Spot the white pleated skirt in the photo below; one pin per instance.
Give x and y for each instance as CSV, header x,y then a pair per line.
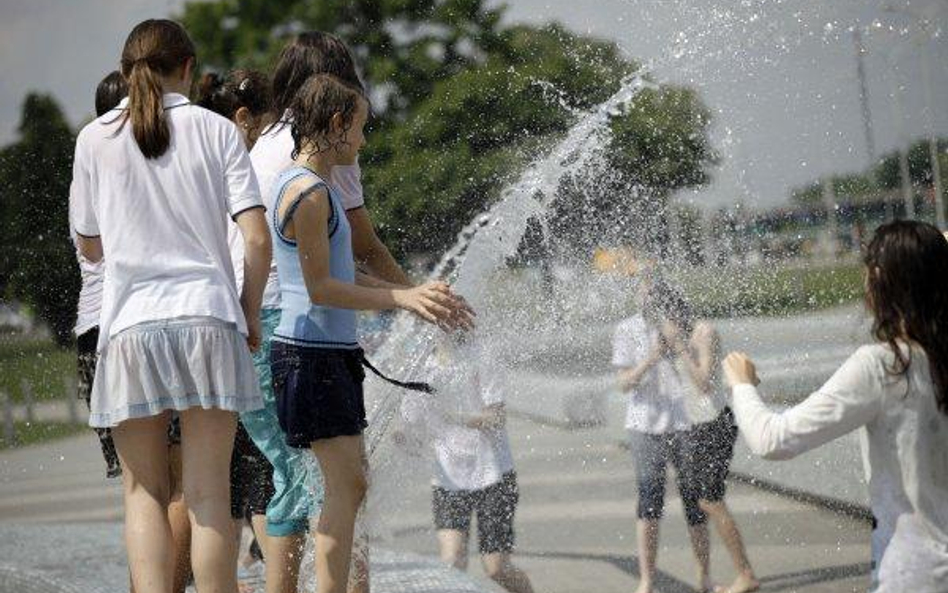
x,y
173,364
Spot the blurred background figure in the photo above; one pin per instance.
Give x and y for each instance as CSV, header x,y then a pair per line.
x,y
465,422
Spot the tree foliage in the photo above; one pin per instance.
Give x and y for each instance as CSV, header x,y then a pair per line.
x,y
463,102
38,261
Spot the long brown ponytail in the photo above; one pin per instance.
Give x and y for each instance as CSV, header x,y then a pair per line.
x,y
154,48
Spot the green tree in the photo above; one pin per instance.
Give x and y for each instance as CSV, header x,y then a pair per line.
x,y
38,260
658,145
465,102
430,175
404,46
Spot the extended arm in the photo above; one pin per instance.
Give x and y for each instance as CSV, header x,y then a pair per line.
x,y
309,225
850,399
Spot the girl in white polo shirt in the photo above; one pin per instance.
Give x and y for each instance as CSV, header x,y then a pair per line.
x,y
152,185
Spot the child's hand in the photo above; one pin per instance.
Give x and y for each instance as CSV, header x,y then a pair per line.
x,y
436,303
253,333
739,370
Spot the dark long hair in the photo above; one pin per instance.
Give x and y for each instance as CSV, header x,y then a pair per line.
x,y
154,48
907,292
309,53
241,88
110,92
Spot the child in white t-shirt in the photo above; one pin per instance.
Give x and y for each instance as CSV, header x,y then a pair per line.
x,y
474,470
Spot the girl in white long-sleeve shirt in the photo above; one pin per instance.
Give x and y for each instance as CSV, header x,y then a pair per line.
x,y
898,390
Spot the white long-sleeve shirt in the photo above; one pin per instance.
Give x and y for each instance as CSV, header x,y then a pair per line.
x,y
905,451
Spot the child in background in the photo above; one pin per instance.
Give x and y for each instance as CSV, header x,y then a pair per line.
x,y
474,470
316,361
244,98
152,185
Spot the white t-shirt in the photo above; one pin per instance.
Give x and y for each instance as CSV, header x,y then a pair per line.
x,y
271,156
465,458
905,448
162,221
90,294
701,407
657,404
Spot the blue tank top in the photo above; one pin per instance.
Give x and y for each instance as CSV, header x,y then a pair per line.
x,y
302,322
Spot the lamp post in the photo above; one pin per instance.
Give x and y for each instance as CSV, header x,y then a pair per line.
x,y
925,26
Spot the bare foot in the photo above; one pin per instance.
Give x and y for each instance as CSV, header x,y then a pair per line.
x,y
742,584
705,585
644,587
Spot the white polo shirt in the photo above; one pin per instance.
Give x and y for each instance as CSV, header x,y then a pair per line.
x,y
163,221
271,156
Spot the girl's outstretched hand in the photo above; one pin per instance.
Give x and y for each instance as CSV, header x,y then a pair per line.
x,y
739,370
436,303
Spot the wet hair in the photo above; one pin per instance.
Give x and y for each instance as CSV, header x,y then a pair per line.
x,y
241,88
906,266
110,92
665,302
309,53
312,110
154,48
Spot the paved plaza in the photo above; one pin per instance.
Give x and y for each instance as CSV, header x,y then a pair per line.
x,y
59,518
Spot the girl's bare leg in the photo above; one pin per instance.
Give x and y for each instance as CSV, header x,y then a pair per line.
x,y
283,556
453,546
503,572
142,446
341,461
180,522
647,535
724,522
701,547
207,440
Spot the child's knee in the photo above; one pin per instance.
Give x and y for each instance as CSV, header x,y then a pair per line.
x,y
711,507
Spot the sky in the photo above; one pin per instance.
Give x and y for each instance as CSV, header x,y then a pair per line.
x,y
778,75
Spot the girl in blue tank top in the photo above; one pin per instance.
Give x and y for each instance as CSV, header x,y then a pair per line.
x,y
315,358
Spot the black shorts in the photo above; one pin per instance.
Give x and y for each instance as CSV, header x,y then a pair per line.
x,y
495,507
318,392
87,357
251,478
712,448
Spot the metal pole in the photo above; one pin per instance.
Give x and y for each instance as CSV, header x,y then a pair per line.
x,y
933,141
829,202
908,196
867,115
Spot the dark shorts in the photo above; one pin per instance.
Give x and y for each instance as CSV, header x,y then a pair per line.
x,y
318,392
251,478
495,507
652,453
87,359
712,446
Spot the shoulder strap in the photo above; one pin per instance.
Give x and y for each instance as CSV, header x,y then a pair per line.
x,y
298,199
